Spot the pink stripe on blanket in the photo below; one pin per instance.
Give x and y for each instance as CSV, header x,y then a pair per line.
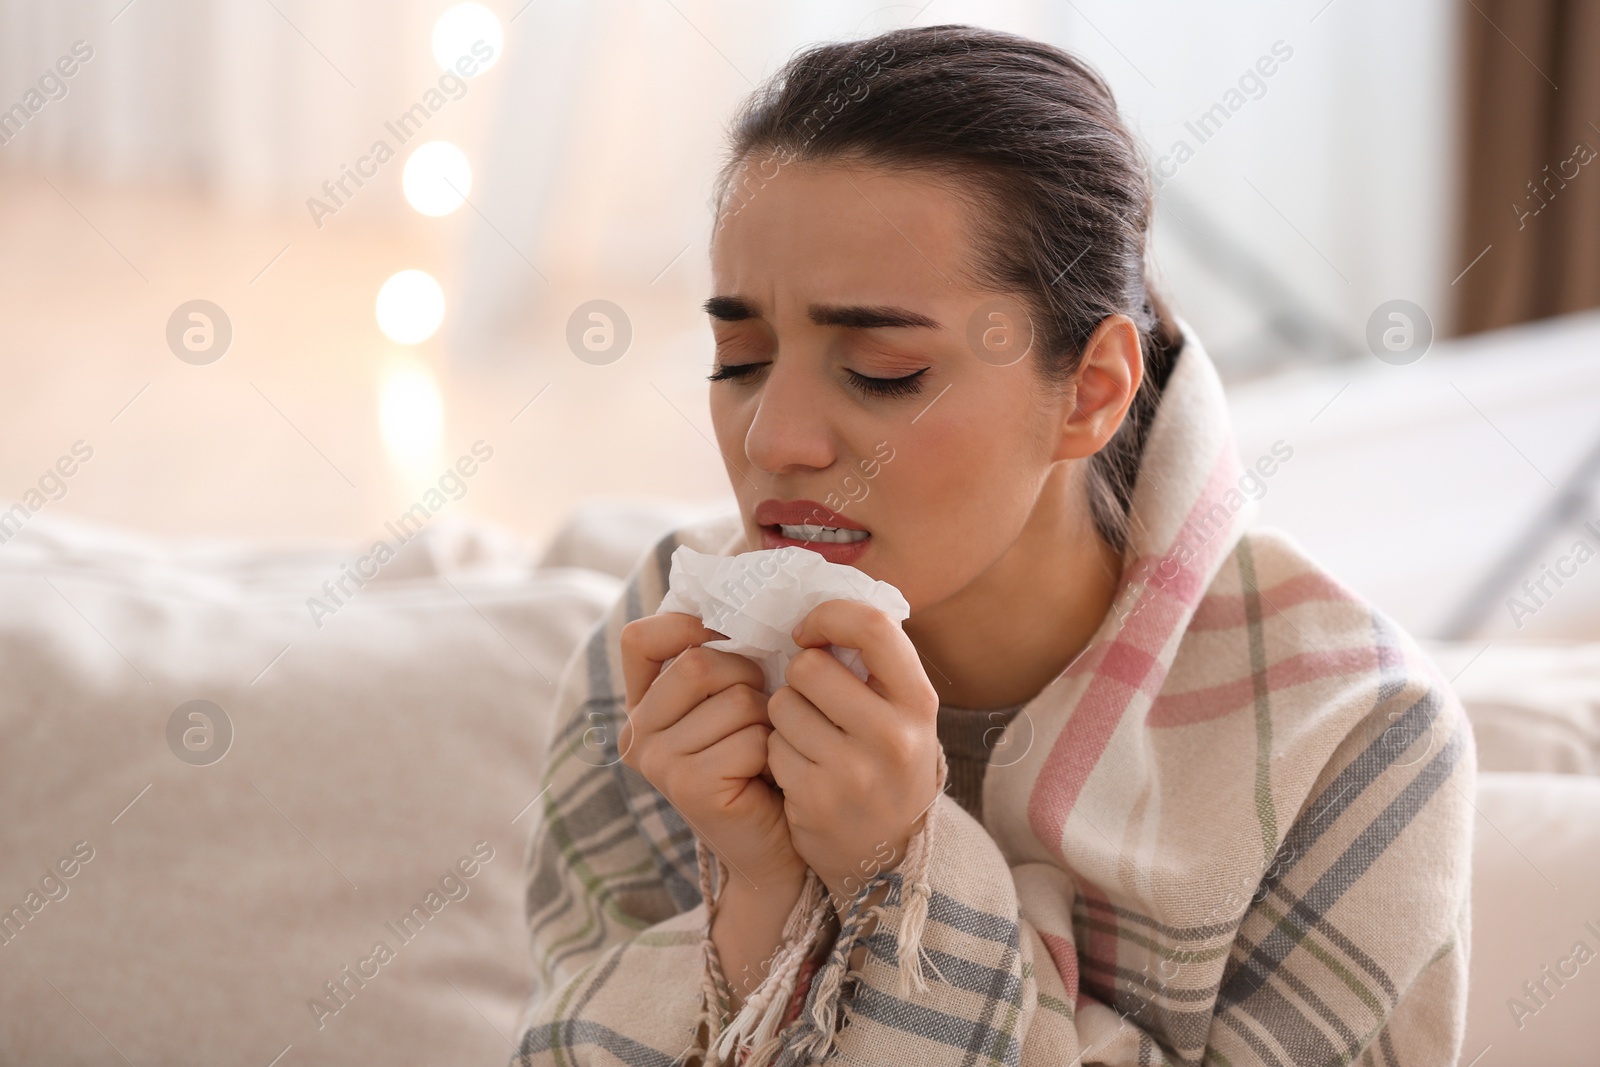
x,y
1213,702
1225,611
1066,961
1130,662
1095,943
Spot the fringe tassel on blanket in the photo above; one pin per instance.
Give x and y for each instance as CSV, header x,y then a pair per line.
x,y
756,1026
713,984
915,893
751,1038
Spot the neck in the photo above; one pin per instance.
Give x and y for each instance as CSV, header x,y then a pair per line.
x,y
1009,632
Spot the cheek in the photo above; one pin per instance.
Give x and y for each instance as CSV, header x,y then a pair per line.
x,y
948,506
985,452
730,425
730,421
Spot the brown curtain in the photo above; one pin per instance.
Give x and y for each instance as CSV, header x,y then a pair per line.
x,y
1531,139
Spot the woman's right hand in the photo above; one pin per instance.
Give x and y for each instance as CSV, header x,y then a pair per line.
x,y
698,732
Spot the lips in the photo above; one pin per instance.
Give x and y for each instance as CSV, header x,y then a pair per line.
x,y
770,514
800,513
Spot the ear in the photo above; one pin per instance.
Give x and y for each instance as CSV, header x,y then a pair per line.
x,y
1103,388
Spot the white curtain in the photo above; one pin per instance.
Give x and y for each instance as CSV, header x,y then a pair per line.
x,y
249,102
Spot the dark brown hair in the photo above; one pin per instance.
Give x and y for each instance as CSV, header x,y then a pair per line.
x,y
1031,137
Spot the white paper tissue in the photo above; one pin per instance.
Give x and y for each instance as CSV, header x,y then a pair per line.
x,y
757,599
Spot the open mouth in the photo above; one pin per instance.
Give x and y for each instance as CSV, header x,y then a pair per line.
x,y
834,544
809,525
835,535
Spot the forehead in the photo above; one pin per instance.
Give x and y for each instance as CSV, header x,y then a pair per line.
x,y
831,231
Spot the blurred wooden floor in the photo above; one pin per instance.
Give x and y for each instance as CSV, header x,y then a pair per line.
x,y
280,439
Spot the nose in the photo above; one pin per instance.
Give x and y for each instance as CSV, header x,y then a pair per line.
x,y
792,428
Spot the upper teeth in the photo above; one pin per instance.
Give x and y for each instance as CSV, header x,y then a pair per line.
x,y
821,533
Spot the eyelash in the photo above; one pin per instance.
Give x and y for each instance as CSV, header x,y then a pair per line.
x,y
885,387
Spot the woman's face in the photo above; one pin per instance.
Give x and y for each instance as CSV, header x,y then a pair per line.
x,y
830,280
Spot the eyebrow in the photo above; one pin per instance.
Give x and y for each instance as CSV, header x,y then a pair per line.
x,y
849,316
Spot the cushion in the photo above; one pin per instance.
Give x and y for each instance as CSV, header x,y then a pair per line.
x,y
1534,706
1535,905
609,534
237,824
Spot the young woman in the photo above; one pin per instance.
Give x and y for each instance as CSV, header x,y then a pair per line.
x,y
1134,783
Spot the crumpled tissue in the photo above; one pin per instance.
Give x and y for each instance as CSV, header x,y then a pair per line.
x,y
757,599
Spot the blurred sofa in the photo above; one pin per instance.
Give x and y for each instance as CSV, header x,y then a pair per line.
x,y
252,796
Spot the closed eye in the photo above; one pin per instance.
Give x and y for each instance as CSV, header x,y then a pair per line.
x,y
906,386
734,372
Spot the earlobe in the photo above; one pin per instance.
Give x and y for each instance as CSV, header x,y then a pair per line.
x,y
1103,388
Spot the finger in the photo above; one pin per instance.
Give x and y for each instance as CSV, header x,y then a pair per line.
x,y
696,675
646,643
719,716
828,685
741,754
891,659
803,725
790,769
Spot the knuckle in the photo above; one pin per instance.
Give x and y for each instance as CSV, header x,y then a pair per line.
x,y
665,778
629,740
631,638
814,664
643,760
809,658
903,743
914,738
694,664
879,625
778,705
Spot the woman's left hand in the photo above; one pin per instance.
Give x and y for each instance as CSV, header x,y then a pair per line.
x,y
857,761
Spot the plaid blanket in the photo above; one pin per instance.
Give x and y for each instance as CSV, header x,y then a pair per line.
x,y
1237,830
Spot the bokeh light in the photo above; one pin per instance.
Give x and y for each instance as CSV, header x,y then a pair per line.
x,y
410,307
411,415
459,28
437,178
